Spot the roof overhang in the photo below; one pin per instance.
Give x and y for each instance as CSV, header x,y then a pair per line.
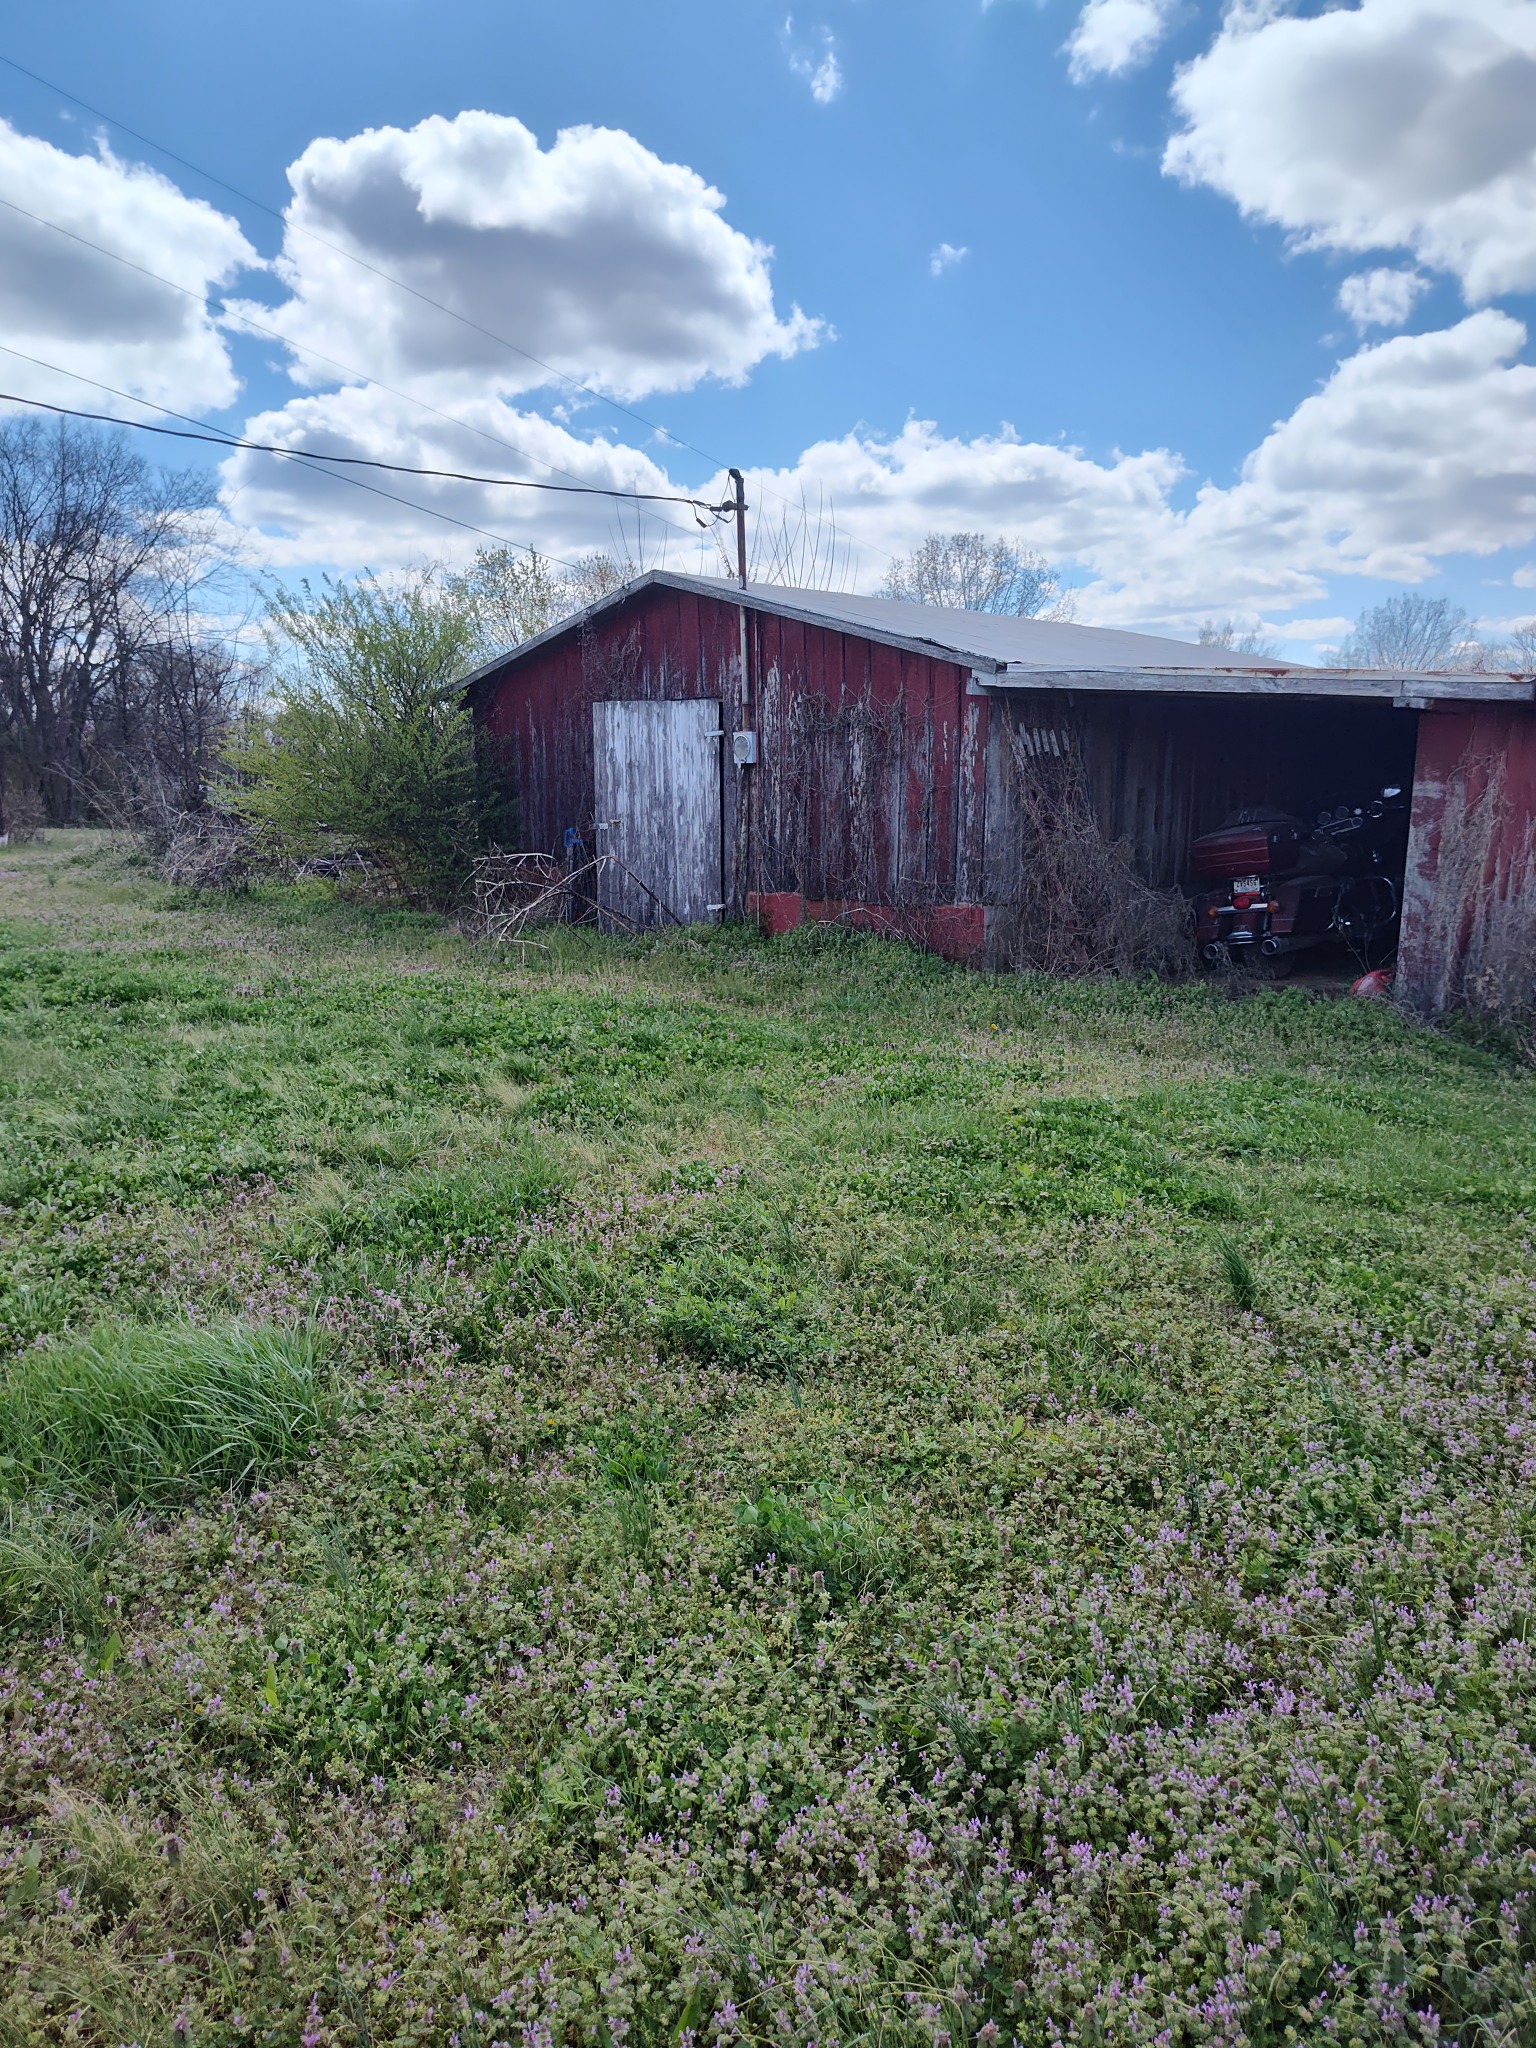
x,y
1405,690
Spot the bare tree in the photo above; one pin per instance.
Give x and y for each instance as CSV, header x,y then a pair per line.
x,y
974,572
98,554
160,722
1413,633
1516,653
1234,639
593,576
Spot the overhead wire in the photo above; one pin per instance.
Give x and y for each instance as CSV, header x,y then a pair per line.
x,y
223,440
338,249
400,284
288,455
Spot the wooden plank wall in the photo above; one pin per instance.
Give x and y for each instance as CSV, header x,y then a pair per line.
x,y
881,781
869,776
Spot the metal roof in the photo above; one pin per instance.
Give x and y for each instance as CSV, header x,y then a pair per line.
x,y
1044,653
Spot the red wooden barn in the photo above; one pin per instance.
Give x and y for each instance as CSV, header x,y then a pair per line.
x,y
795,754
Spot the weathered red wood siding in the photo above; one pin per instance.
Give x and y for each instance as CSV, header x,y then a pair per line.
x,y
881,783
1469,901
870,783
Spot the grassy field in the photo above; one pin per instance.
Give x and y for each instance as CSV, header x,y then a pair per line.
x,y
721,1491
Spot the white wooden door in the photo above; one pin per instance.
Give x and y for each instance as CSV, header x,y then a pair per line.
x,y
658,809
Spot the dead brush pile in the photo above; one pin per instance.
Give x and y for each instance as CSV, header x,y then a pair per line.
x,y
194,848
1070,901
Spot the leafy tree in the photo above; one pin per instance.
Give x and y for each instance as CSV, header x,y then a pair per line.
x,y
508,595
369,746
973,572
1412,633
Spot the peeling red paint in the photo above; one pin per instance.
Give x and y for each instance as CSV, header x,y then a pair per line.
x,y
955,931
870,781
876,799
1471,847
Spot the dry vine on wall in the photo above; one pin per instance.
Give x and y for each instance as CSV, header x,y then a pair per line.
x,y
838,790
1068,899
1483,909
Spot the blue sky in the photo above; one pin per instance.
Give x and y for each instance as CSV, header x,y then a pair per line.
x,y
1134,358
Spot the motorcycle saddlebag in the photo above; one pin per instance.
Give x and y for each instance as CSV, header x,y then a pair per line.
x,y
1270,848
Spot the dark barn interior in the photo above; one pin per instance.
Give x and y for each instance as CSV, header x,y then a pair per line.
x,y
1164,769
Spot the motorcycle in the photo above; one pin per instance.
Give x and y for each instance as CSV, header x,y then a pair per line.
x,y
1275,887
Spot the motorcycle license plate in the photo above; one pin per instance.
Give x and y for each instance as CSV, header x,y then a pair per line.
x,y
1246,885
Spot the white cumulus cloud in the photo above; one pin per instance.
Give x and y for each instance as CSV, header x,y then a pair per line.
x,y
1388,124
1416,449
295,514
945,257
66,303
1381,298
1419,448
815,62
600,259
1113,37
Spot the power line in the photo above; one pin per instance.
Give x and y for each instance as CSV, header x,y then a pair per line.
x,y
356,483
347,370
387,277
221,440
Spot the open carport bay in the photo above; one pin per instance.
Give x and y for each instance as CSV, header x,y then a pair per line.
x,y
1162,770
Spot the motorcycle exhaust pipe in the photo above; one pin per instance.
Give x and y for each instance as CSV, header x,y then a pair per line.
x,y
1272,948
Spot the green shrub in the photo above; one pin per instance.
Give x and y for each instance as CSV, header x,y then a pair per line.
x,y
370,746
146,1415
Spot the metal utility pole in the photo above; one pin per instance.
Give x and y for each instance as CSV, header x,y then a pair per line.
x,y
741,525
744,738
740,509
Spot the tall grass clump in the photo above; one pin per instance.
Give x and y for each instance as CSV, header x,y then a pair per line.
x,y
828,1534
1242,1281
139,1416
51,1555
